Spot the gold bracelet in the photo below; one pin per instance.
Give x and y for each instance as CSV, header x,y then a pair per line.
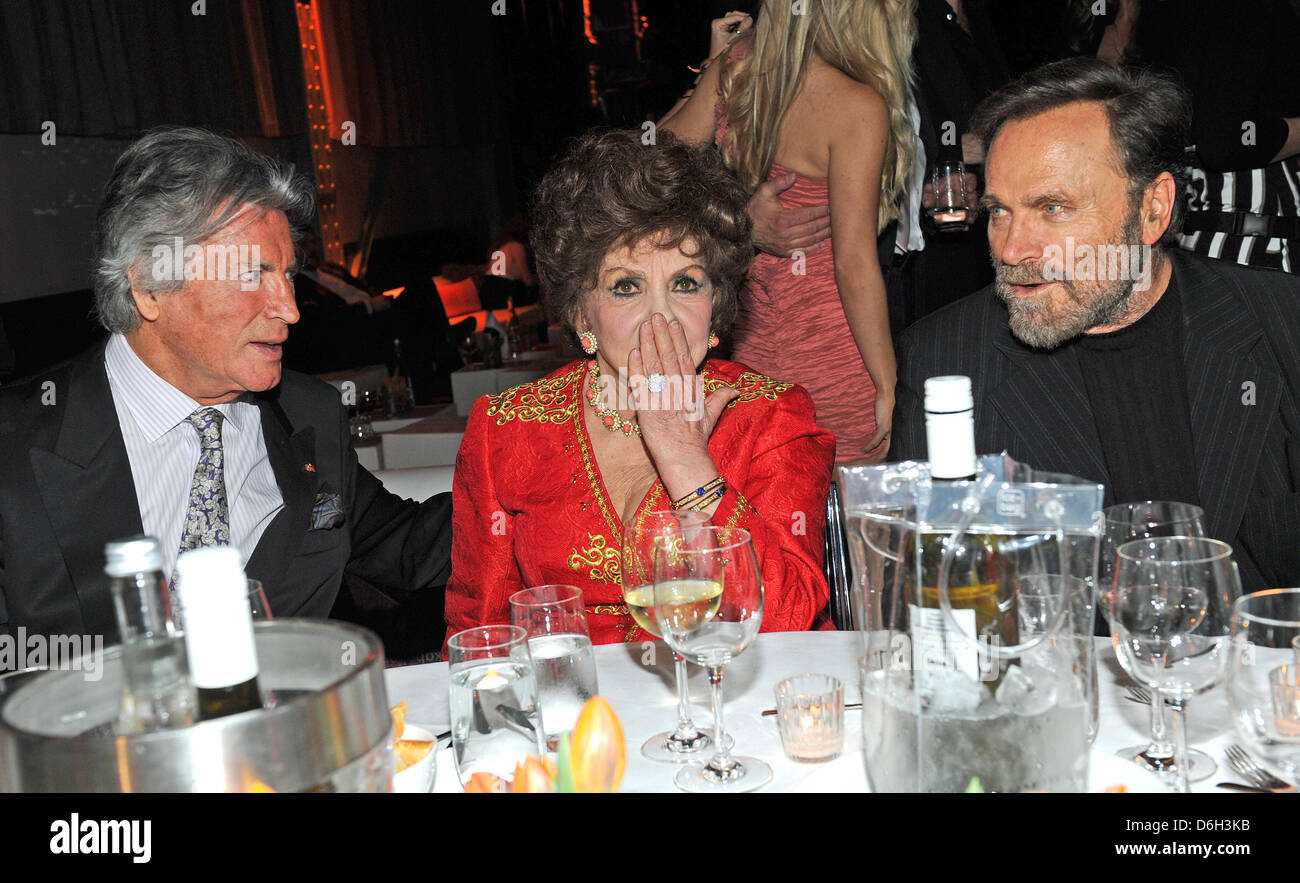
x,y
707,500
700,492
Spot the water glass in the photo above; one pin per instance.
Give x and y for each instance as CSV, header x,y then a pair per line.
x,y
1263,684
492,692
810,717
560,645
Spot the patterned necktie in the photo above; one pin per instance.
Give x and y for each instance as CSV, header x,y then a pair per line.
x,y
207,519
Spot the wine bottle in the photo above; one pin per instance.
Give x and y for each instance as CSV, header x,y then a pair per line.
x,y
980,587
219,631
402,388
156,689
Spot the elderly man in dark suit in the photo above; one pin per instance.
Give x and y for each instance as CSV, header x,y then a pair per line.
x,y
182,425
1103,351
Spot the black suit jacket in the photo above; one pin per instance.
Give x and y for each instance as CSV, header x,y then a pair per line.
x,y
66,489
1241,349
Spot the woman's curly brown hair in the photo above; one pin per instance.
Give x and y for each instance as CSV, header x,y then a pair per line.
x,y
611,191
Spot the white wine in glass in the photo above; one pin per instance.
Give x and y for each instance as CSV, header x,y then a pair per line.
x,y
685,741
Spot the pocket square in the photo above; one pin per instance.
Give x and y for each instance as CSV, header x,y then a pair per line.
x,y
327,512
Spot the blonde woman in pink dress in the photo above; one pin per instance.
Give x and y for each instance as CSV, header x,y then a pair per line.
x,y
813,106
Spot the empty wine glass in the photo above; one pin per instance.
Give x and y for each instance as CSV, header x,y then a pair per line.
x,y
685,741
708,601
1136,521
1169,614
1264,680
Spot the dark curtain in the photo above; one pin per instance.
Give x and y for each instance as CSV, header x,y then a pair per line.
x,y
412,74
116,67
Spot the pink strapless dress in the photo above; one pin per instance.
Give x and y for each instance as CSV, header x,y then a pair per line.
x,y
792,326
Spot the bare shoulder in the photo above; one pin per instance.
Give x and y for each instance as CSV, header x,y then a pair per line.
x,y
854,106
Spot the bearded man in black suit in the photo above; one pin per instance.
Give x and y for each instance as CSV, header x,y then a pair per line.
x,y
1104,351
182,424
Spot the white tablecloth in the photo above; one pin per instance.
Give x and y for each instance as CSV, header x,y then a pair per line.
x,y
639,685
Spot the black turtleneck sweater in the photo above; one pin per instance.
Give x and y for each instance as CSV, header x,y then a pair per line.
x,y
1137,386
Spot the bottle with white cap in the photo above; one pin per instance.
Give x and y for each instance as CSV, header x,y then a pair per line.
x,y
156,689
218,631
950,427
979,602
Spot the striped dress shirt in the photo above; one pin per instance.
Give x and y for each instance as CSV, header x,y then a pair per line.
x,y
164,449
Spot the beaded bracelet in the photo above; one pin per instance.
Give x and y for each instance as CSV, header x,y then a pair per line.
x,y
702,496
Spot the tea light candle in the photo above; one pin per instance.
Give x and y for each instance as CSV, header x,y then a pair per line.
x,y
810,716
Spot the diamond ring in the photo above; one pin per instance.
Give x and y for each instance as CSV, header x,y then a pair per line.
x,y
656,382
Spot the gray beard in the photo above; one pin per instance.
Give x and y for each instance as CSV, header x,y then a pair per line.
x,y
1109,307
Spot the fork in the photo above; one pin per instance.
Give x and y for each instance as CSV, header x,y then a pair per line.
x,y
1137,694
1252,773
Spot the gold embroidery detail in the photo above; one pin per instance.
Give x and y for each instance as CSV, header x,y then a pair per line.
x,y
629,629
605,561
549,400
741,505
609,609
589,463
751,387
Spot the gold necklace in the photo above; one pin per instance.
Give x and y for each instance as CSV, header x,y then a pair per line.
x,y
609,418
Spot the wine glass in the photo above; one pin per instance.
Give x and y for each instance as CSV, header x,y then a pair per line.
x,y
1264,679
1136,521
708,600
1169,614
685,741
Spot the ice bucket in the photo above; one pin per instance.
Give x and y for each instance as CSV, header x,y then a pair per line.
x,y
328,729
975,602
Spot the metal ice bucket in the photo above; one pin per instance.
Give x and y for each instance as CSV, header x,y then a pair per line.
x,y
328,730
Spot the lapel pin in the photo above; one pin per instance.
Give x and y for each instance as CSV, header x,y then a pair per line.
x,y
309,468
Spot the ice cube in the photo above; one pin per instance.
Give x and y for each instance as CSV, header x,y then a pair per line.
x,y
947,691
1026,691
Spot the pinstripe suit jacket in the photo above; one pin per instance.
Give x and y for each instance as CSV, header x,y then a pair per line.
x,y
1241,349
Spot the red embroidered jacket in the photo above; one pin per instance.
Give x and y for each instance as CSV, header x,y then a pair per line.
x,y
530,508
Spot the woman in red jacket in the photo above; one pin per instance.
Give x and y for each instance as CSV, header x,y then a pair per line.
x,y
641,250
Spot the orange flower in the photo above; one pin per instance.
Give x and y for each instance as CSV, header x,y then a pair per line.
x,y
486,783
596,748
534,776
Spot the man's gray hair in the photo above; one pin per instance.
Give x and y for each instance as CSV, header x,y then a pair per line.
x,y
182,182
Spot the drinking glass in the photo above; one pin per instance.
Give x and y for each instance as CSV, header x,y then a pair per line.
x,y
708,601
1136,521
1056,612
560,646
1169,617
685,741
1264,682
258,606
493,696
948,181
